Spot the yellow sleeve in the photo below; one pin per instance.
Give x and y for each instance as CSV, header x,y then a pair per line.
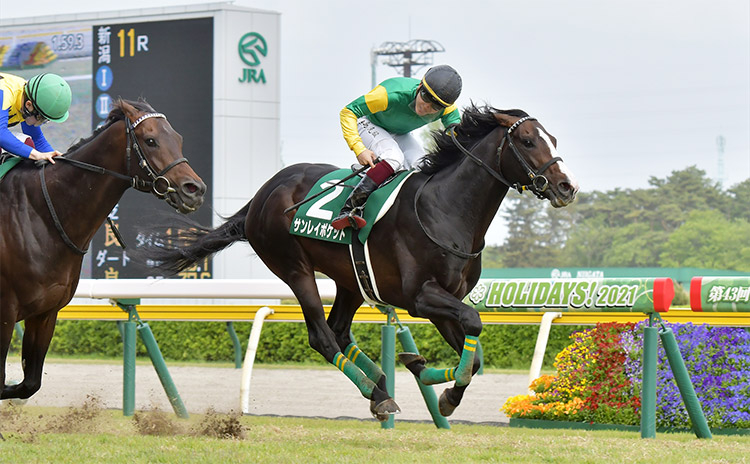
x,y
374,101
351,134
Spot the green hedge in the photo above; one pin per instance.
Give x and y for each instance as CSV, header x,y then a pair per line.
x,y
504,346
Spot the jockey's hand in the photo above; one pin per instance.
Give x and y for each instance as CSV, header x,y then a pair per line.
x,y
367,158
48,155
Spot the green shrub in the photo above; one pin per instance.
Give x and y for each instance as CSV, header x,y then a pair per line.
x,y
503,346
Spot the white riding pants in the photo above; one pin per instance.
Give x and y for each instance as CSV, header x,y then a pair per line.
x,y
400,151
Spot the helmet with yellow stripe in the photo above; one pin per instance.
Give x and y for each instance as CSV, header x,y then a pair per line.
x,y
443,84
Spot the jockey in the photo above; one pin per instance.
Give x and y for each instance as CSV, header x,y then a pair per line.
x,y
377,127
45,97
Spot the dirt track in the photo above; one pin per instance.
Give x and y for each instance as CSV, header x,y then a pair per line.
x,y
281,392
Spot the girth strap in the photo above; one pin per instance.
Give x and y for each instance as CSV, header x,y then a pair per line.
x,y
361,270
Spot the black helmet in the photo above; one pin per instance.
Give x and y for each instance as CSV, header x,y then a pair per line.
x,y
443,83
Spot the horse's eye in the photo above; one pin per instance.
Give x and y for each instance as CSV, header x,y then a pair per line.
x,y
527,143
151,142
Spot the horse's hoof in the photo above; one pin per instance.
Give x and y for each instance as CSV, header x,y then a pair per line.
x,y
444,404
384,409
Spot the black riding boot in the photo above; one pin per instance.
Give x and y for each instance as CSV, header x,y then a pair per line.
x,y
349,215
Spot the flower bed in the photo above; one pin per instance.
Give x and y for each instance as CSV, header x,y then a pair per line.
x,y
599,378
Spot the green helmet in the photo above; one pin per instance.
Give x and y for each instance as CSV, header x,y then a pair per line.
x,y
50,95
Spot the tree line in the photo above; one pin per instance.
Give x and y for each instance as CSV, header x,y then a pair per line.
x,y
683,220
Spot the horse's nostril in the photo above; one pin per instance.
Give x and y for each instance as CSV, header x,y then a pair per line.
x,y
192,189
564,187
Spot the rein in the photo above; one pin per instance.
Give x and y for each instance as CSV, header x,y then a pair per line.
x,y
538,182
134,181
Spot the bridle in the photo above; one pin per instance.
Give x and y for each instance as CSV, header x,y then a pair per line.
x,y
154,184
538,183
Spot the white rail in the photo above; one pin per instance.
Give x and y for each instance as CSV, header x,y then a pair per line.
x,y
193,288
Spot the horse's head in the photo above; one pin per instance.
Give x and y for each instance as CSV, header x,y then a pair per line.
x,y
528,158
156,153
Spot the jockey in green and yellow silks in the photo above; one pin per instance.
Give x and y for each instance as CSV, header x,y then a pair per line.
x,y
45,97
378,125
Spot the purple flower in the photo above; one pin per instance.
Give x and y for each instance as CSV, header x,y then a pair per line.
x,y
718,363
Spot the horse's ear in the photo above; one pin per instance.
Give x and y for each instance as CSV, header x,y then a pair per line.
x,y
128,109
506,120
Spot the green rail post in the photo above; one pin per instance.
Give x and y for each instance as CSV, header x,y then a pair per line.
x,y
480,356
428,393
128,357
648,392
388,362
161,369
236,344
684,384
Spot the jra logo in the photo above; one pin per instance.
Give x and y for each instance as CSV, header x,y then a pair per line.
x,y
252,46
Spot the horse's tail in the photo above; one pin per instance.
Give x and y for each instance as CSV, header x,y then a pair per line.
x,y
194,242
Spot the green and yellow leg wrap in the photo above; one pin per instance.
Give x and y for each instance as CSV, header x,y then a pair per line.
x,y
360,359
461,374
431,376
355,374
465,365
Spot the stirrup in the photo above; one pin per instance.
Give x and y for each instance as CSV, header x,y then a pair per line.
x,y
351,219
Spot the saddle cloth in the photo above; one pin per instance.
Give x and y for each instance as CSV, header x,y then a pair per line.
x,y
7,162
313,219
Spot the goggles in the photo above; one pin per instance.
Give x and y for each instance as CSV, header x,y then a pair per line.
x,y
428,98
36,113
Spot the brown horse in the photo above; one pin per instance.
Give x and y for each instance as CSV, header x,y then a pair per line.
x,y
48,216
425,252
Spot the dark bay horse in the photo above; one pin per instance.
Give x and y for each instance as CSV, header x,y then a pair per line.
x,y
48,216
425,252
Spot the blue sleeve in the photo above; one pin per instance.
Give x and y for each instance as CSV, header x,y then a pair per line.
x,y
35,132
8,141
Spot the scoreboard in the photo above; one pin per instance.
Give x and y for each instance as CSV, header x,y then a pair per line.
x,y
169,64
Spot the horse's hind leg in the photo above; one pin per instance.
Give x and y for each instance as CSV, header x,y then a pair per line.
x,y
323,340
36,339
340,321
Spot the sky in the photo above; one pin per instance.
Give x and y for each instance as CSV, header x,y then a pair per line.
x,y
631,89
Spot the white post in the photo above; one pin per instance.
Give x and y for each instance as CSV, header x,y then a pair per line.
x,y
541,345
252,348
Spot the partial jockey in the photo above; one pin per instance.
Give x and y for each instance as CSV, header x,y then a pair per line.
x,y
45,97
377,127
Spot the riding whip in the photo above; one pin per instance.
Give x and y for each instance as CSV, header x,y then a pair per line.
x,y
355,173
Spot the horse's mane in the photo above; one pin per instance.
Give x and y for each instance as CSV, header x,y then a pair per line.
x,y
116,114
476,122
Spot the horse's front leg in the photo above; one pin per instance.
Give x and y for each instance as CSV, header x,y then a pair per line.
x,y
460,325
36,339
7,324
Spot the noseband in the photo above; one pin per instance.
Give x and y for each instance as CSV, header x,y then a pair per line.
x,y
538,182
136,182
